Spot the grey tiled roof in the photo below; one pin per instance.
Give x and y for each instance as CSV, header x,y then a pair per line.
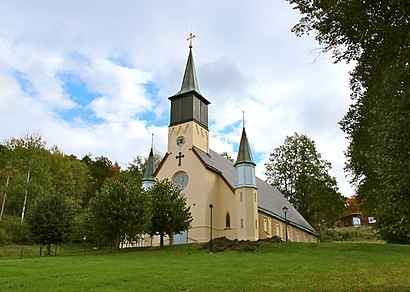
x,y
270,200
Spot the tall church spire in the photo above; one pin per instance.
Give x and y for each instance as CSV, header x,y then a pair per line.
x,y
190,81
188,104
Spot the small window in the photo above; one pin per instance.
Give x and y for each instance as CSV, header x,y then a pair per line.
x,y
356,221
256,223
241,196
255,196
242,223
277,229
227,220
266,225
372,220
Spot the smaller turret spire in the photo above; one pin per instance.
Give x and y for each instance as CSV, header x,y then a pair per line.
x,y
244,165
244,151
148,179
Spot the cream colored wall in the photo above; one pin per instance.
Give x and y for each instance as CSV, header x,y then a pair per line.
x,y
193,133
195,192
247,210
225,203
294,233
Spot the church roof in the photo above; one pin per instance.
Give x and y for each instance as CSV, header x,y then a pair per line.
x,y
244,152
190,81
149,171
270,200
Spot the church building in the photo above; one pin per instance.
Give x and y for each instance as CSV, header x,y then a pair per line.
x,y
225,198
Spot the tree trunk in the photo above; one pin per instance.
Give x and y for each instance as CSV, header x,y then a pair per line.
x,y
161,240
48,251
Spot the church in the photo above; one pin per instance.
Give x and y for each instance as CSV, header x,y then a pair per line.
x,y
225,198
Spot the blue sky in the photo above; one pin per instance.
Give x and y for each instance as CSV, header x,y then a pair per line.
x,y
96,77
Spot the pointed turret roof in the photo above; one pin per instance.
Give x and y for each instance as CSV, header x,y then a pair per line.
x,y
244,152
190,81
149,171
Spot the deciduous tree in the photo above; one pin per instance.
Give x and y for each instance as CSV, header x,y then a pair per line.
x,y
50,219
375,35
170,214
302,175
121,212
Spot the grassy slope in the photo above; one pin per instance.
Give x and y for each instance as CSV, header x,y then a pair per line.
x,y
286,266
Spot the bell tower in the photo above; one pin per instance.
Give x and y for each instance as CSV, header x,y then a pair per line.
x,y
189,112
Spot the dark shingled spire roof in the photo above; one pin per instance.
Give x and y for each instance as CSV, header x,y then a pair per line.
x,y
149,171
244,152
190,81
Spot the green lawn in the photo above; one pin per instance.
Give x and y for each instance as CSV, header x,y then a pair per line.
x,y
276,267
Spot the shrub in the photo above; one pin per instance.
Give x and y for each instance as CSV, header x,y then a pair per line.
x,y
12,231
363,233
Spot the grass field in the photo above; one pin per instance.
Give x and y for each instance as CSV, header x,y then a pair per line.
x,y
276,267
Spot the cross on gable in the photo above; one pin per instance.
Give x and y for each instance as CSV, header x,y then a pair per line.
x,y
179,157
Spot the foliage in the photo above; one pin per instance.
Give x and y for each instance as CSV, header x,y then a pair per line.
x,y
120,212
170,214
102,171
227,156
352,206
34,171
375,35
364,233
302,175
50,219
139,163
12,231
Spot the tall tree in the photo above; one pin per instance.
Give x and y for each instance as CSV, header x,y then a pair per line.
x,y
50,219
302,175
102,171
375,35
38,171
170,214
120,212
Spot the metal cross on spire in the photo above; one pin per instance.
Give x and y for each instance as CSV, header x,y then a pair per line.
x,y
191,36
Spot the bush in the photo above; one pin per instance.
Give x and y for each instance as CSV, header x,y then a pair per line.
x,y
364,233
12,231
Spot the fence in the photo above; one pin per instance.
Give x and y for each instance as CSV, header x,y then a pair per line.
x,y
20,252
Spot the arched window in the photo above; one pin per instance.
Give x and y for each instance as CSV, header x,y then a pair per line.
x,y
228,220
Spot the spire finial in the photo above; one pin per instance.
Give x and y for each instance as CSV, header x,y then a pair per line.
x,y
152,141
191,36
243,119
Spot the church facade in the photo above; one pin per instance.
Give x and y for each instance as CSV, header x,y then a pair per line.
x,y
225,198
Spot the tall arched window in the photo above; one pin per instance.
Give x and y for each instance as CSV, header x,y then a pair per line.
x,y
227,220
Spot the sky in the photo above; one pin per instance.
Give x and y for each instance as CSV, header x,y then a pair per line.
x,y
95,76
